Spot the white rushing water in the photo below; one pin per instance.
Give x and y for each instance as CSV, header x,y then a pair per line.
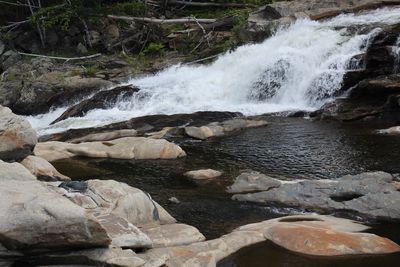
x,y
299,68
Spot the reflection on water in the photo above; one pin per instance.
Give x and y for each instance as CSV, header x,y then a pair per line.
x,y
269,255
288,148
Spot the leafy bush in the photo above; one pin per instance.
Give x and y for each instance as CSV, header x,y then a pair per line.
x,y
154,49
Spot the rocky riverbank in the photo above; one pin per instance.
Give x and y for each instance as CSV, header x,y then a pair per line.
x,y
109,223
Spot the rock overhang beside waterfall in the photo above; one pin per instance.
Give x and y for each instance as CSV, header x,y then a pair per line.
x,y
373,195
17,138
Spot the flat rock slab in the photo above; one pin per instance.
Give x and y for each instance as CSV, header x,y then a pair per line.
x,y
122,148
17,138
253,182
173,235
374,195
205,174
314,241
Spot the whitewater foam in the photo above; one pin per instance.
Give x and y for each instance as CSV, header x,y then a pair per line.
x,y
300,68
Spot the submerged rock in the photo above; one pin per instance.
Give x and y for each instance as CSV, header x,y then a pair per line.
x,y
203,174
42,169
391,130
122,148
17,138
373,195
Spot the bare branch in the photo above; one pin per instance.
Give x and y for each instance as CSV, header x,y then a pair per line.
x,y
208,4
60,58
163,21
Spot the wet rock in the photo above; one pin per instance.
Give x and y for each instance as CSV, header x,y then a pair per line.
x,y
372,195
379,86
54,89
106,136
57,222
14,172
253,182
42,169
100,100
74,186
203,174
220,128
391,130
17,138
327,242
122,148
173,235
151,123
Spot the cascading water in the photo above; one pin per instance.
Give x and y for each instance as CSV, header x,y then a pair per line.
x,y
300,68
396,55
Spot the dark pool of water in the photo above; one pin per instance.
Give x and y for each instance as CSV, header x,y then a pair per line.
x,y
288,148
268,255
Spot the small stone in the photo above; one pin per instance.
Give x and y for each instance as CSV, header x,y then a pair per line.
x,y
81,49
174,200
203,174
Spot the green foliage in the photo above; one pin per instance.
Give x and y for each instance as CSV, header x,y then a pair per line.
x,y
154,49
91,71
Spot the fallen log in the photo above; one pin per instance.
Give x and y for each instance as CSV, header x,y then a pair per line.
x,y
60,58
209,4
163,21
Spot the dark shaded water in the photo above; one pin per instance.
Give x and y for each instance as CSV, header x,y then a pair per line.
x,y
289,148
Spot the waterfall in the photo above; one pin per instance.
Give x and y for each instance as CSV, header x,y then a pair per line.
x,y
396,55
301,67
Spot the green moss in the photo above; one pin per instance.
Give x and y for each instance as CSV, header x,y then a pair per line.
x,y
154,49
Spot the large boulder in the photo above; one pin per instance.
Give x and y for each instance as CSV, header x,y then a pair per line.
x,y
123,148
32,216
373,195
17,138
253,182
14,172
104,197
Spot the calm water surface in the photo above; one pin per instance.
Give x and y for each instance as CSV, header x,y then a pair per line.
x,y
288,148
